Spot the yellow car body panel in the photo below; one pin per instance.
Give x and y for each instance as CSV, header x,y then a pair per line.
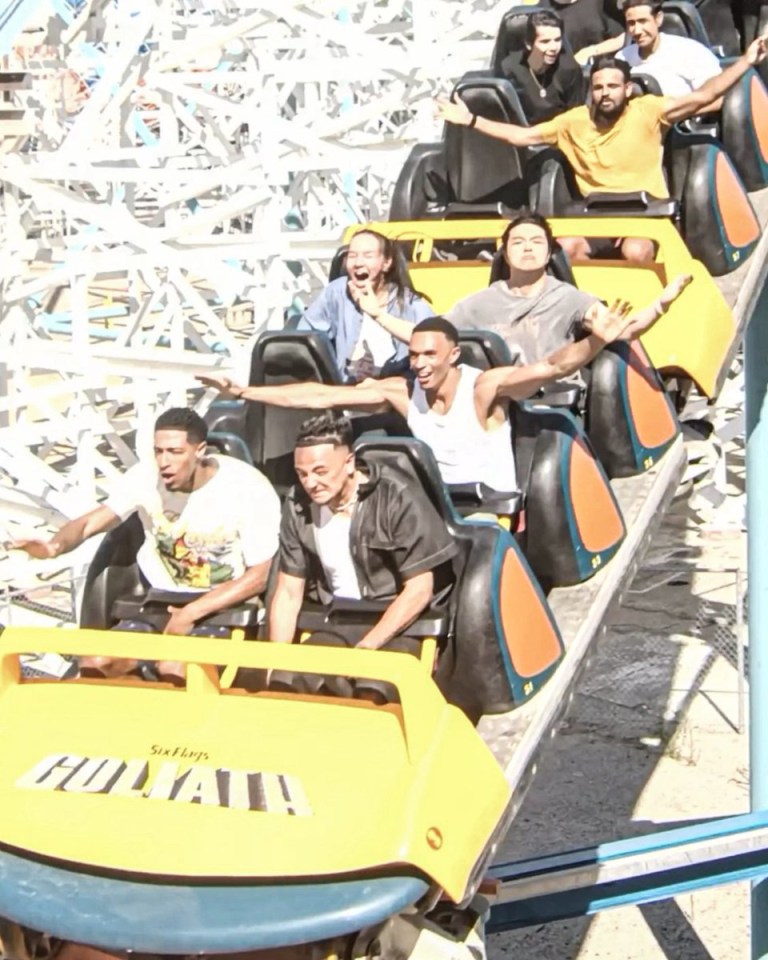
x,y
207,782
694,337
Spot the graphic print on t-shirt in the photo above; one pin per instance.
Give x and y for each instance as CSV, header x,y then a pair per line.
x,y
195,560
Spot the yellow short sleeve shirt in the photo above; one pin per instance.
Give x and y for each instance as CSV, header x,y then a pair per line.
x,y
624,158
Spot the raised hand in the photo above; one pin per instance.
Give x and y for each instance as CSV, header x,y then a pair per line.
x,y
756,51
610,324
39,549
453,110
364,296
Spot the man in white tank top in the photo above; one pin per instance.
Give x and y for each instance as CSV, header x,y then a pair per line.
x,y
460,412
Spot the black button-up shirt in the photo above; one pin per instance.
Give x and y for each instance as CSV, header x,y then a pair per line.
x,y
396,533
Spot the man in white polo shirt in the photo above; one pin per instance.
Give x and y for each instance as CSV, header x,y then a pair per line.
x,y
678,64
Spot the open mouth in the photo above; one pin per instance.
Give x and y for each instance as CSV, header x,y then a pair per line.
x,y
361,275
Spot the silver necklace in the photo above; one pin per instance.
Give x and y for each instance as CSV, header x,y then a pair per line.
x,y
542,91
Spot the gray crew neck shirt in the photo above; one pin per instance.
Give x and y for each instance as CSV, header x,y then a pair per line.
x,y
533,327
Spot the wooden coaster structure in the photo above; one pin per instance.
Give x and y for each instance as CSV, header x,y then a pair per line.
x,y
173,177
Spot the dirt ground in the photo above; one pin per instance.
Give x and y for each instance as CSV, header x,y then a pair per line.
x,y
652,741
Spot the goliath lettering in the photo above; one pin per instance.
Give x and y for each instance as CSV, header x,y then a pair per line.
x,y
211,786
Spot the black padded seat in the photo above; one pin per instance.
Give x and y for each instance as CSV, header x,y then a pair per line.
x,y
682,19
483,349
477,667
283,356
483,173
644,83
471,175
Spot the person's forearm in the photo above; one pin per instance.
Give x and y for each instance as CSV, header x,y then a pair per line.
x,y
567,360
283,617
611,45
642,320
401,613
225,595
399,329
499,130
302,396
715,87
77,531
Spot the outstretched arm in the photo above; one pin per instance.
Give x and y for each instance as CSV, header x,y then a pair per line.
x,y
680,108
456,111
306,396
70,536
611,45
640,321
517,383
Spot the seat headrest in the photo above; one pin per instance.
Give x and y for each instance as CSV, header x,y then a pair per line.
x,y
483,349
479,169
414,461
297,354
643,83
682,19
510,37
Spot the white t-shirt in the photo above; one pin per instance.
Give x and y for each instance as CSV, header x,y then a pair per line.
x,y
679,64
333,548
194,541
372,350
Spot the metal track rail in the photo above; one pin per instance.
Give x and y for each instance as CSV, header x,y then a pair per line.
x,y
627,872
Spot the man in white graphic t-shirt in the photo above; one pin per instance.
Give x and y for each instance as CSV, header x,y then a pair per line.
x,y
211,524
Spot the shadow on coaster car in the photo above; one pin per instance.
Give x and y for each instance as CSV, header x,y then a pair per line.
x,y
249,843
574,523
463,176
692,340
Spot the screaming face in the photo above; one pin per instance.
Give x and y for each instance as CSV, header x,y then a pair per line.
x,y
366,261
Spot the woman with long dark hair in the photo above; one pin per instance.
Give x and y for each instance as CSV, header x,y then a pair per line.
x,y
368,314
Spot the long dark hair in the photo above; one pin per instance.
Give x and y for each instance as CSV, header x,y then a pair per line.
x,y
397,274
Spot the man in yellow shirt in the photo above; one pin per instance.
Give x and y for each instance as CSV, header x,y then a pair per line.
x,y
615,145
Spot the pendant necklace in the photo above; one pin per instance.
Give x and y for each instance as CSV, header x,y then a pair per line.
x,y
542,89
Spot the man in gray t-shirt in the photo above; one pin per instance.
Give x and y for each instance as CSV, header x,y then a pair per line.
x,y
535,314
533,324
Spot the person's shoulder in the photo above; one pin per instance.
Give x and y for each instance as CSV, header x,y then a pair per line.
x,y
650,104
562,292
670,42
573,117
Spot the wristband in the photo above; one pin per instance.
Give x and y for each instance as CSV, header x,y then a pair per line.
x,y
473,121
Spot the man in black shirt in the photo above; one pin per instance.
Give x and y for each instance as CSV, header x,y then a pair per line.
x,y
354,529
547,79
